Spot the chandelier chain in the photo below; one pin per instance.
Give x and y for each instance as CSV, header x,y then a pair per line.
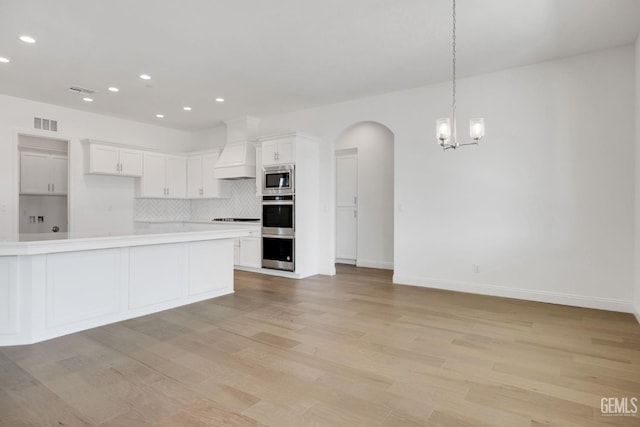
x,y
453,105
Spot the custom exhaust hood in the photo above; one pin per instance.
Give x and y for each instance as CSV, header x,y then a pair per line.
x,y
238,157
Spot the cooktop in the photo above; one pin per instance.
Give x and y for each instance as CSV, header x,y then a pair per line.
x,y
237,219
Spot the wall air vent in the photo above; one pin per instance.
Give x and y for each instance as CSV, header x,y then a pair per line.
x,y
45,124
81,90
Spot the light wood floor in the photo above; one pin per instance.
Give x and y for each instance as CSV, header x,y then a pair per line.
x,y
349,350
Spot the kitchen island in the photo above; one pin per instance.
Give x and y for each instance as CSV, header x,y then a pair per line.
x,y
59,283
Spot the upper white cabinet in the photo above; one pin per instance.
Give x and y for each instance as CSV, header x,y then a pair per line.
x,y
258,170
278,151
201,177
163,176
43,173
113,160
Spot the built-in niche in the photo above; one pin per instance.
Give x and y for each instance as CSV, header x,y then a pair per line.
x,y
43,184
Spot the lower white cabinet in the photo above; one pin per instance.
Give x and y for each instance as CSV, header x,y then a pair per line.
x,y
247,251
43,173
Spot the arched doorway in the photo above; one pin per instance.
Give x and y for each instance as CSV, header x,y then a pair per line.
x,y
365,195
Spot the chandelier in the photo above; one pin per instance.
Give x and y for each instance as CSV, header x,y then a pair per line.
x,y
445,133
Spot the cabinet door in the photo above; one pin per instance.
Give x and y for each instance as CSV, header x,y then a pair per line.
x,y
176,176
153,178
103,159
250,252
59,167
194,177
210,184
130,162
269,153
259,171
34,173
285,153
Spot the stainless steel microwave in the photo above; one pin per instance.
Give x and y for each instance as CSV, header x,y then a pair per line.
x,y
278,179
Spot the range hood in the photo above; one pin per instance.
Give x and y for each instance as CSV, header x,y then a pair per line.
x,y
238,157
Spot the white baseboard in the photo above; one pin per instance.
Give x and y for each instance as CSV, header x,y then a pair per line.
x,y
374,264
636,312
345,261
517,293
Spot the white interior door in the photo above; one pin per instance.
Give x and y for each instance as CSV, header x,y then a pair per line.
x,y
347,208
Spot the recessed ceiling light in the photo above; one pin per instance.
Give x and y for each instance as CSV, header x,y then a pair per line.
x,y
87,99
114,89
4,60
28,39
187,108
219,99
145,76
160,116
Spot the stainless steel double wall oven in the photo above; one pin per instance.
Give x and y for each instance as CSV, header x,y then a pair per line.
x,y
278,217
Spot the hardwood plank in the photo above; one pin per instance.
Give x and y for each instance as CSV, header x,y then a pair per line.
x,y
353,349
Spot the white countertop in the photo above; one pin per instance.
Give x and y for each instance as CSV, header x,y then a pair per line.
x,y
251,224
44,243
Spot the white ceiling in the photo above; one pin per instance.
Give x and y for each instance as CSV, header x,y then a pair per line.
x,y
273,56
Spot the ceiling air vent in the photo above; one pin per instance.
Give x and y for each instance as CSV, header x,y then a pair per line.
x,y
45,124
81,90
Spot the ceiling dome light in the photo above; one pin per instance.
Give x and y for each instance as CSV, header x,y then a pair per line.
x,y
187,108
219,99
160,116
4,60
28,39
114,89
145,76
87,99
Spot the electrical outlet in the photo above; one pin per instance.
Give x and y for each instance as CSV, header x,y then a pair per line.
x,y
40,219
476,268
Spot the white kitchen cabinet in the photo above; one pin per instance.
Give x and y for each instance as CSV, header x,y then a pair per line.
x,y
250,252
247,251
43,173
278,152
113,160
259,170
201,177
163,176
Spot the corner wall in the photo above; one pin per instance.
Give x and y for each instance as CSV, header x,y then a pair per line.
x,y
544,206
637,188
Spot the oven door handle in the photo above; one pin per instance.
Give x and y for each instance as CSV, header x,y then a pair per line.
x,y
276,236
278,203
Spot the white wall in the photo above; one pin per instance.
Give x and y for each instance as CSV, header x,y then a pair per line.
x,y
97,202
637,189
544,206
207,139
374,143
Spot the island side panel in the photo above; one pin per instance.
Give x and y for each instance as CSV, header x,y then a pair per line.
x,y
8,296
73,291
209,272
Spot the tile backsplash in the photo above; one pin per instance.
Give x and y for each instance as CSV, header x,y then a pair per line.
x,y
242,203
162,210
